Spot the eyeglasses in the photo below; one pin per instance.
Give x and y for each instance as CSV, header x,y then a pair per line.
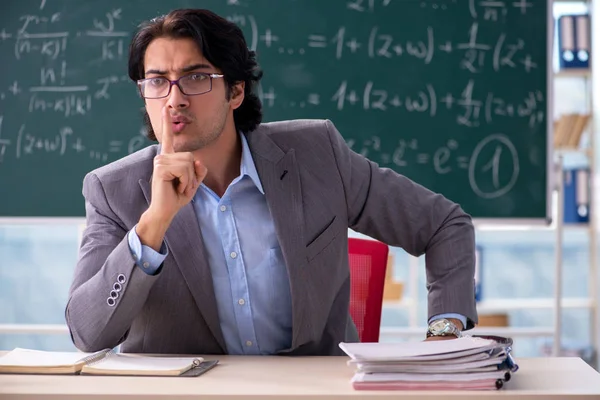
x,y
190,85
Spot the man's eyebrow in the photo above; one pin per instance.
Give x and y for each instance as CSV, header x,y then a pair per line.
x,y
184,69
195,66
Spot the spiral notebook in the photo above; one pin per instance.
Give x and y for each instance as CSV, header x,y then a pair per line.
x,y
104,362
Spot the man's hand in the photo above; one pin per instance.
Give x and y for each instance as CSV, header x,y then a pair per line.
x,y
175,179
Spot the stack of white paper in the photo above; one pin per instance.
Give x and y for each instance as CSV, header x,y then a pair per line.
x,y
465,363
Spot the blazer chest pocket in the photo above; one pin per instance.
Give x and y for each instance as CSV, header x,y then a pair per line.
x,y
324,239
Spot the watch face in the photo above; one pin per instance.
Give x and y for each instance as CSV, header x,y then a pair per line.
x,y
438,326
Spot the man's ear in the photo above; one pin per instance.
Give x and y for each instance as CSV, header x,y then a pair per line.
x,y
237,94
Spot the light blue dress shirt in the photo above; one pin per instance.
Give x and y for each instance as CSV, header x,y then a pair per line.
x,y
249,275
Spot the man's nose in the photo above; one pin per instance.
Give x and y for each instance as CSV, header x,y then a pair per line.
x,y
177,99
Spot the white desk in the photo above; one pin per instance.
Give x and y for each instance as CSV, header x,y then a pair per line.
x,y
248,377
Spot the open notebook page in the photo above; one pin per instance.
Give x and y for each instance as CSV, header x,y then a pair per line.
x,y
24,361
131,364
38,358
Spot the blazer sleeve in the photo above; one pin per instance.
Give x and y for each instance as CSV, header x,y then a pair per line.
x,y
108,289
393,209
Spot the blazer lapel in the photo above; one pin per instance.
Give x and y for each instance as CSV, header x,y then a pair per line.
x,y
280,177
185,244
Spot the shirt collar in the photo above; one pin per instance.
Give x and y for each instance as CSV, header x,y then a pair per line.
x,y
247,166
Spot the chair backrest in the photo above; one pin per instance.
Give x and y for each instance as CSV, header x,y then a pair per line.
x,y
368,261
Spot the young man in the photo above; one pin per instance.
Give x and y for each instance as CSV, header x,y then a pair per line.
x,y
230,236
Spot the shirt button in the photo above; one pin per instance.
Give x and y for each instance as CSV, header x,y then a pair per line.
x,y
233,254
146,265
223,208
241,302
248,343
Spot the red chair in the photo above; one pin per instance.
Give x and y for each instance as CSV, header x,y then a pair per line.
x,y
368,261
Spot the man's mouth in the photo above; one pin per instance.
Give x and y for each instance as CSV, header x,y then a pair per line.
x,y
179,123
178,126
180,118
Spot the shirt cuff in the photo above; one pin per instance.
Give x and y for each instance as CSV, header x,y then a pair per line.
x,y
146,257
459,317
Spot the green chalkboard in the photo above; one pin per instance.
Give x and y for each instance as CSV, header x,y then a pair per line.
x,y
451,93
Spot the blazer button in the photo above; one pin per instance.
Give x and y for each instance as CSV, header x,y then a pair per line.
x,y
117,287
121,278
114,294
111,302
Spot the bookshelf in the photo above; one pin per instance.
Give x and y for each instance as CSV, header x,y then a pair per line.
x,y
575,136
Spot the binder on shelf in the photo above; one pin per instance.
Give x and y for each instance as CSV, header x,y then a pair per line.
x,y
392,289
569,129
574,49
576,193
478,251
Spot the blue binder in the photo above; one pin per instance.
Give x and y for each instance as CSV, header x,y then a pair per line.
x,y
478,262
574,38
576,193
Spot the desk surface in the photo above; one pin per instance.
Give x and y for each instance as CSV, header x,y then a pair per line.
x,y
244,377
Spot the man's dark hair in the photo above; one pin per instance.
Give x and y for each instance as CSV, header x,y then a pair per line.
x,y
221,42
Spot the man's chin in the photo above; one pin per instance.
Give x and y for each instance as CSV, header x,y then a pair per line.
x,y
190,140
187,146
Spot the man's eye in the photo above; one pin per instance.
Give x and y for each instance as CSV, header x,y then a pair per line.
x,y
157,82
197,77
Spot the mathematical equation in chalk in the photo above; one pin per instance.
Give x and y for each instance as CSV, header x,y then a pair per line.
x,y
54,43
470,110
474,56
484,9
52,95
27,143
492,166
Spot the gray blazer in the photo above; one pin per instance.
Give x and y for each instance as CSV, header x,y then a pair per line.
x,y
316,188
